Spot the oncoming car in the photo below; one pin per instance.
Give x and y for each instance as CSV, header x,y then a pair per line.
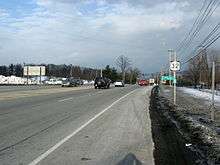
x,y
119,84
70,83
102,82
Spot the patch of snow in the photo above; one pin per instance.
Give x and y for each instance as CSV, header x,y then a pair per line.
x,y
5,80
200,94
210,91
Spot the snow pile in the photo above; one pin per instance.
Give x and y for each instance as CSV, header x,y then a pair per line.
x,y
210,91
14,80
199,94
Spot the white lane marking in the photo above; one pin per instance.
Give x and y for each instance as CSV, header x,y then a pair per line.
x,y
70,98
57,145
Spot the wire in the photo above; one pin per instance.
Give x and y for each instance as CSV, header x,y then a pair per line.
x,y
204,47
211,38
199,22
213,41
203,21
212,32
194,24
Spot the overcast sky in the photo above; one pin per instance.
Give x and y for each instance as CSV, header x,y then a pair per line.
x,y
94,32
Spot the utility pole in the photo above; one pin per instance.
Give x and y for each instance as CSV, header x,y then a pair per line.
x,y
40,75
162,74
27,74
200,68
23,72
71,70
174,82
123,75
96,73
170,52
158,75
213,92
131,76
101,72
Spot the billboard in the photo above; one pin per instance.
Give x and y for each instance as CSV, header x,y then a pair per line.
x,y
34,70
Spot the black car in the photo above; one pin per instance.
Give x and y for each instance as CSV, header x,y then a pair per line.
x,y
102,82
70,83
79,82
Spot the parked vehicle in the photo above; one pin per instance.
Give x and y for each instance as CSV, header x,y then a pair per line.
x,y
70,83
53,82
79,82
143,82
119,84
102,82
151,81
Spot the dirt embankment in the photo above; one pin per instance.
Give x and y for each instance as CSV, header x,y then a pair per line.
x,y
178,139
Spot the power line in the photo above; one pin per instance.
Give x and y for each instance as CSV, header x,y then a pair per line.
x,y
211,33
207,10
194,24
213,40
203,20
199,23
209,40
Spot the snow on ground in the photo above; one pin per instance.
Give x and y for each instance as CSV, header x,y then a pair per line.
x,y
13,80
217,92
200,94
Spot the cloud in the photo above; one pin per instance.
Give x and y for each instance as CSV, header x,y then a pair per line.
x,y
124,18
3,13
121,17
94,33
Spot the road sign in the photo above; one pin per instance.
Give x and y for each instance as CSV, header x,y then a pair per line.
x,y
164,78
174,65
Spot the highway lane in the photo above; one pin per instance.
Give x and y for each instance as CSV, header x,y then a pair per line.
x,y
12,88
28,130
8,105
37,92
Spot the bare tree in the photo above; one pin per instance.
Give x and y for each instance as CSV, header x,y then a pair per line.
x,y
194,68
135,74
131,74
198,69
123,63
204,77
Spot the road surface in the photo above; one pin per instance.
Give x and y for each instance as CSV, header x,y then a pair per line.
x,y
83,126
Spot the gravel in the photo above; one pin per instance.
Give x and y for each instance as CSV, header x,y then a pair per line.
x,y
191,116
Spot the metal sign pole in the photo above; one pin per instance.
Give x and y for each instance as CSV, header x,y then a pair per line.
x,y
174,88
174,66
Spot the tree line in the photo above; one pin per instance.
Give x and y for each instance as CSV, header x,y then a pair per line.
x,y
199,69
64,70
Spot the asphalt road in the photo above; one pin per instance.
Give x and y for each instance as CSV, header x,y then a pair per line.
x,y
82,126
14,88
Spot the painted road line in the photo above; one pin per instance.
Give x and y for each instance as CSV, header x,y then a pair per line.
x,y
70,98
57,145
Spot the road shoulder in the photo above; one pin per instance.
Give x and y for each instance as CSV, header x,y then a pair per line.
x,y
122,133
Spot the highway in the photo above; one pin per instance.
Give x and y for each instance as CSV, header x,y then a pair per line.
x,y
75,126
14,88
